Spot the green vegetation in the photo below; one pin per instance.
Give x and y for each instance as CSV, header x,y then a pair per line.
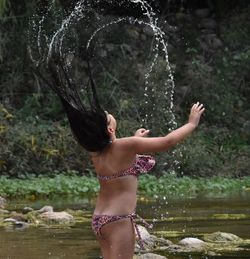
x,y
34,134
149,186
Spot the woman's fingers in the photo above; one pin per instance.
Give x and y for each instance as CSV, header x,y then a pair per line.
x,y
202,110
197,106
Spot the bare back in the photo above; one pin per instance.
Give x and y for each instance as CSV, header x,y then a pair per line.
x,y
116,196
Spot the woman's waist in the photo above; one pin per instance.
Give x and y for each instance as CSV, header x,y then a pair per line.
x,y
115,205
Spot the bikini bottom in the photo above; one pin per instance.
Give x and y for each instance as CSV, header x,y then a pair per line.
x,y
98,221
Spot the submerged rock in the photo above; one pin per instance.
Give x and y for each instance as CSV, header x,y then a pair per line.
x,y
16,223
149,256
57,217
186,249
221,237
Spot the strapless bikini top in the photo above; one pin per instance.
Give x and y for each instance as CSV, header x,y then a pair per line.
x,y
142,164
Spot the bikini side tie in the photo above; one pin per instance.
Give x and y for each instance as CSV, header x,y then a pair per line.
x,y
133,216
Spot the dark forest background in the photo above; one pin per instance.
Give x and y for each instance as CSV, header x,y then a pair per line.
x,y
209,52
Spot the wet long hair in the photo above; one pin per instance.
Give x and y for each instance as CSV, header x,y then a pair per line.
x,y
88,124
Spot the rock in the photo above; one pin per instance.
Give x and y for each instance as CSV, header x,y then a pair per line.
x,y
57,217
202,13
150,256
10,220
175,249
143,233
4,211
16,223
186,249
46,209
17,216
221,237
27,210
192,242
2,202
160,241
21,225
208,23
150,241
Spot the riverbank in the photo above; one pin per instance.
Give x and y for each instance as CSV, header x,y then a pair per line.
x,y
149,185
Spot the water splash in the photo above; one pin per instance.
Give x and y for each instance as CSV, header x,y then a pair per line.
x,y
169,83
56,43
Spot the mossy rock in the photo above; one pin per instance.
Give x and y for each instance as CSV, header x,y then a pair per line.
x,y
221,237
56,217
230,216
169,234
149,256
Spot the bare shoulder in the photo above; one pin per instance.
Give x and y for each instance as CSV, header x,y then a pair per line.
x,y
140,145
125,144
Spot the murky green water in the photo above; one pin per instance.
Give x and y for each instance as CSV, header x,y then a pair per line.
x,y
180,217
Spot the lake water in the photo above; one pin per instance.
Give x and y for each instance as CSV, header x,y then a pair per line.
x,y
180,217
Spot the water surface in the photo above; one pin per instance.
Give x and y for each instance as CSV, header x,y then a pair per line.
x,y
183,217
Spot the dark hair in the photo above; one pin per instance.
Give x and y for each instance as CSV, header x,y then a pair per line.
x,y
88,124
89,127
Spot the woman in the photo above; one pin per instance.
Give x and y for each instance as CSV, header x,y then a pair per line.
x,y
116,161
117,170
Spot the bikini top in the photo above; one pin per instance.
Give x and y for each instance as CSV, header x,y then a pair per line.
x,y
142,164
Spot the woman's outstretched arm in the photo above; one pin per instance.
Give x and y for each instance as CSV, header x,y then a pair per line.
x,y
141,145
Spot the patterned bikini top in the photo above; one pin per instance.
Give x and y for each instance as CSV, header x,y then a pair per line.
x,y
142,164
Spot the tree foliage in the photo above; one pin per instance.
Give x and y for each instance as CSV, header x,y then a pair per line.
x,y
32,124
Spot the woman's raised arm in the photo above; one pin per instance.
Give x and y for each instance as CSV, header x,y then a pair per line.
x,y
141,145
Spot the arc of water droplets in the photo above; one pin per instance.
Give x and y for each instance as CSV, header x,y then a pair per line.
x,y
169,84
148,12
147,75
40,27
78,11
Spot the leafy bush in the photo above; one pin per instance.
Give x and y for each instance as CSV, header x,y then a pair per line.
x,y
36,146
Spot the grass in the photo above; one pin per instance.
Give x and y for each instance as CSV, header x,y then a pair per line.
x,y
149,185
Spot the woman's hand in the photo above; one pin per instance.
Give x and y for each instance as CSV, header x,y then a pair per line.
x,y
195,114
142,132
